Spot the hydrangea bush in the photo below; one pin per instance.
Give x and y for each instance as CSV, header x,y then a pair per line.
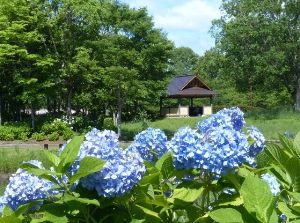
x,y
207,174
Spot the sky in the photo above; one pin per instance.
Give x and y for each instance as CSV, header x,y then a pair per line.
x,y
186,22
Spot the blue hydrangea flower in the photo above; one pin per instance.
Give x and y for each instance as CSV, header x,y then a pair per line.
x,y
186,148
218,151
24,187
232,117
123,169
259,141
272,182
151,144
2,204
118,175
224,150
282,218
101,144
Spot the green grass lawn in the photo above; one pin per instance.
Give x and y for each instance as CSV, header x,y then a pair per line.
x,y
12,158
269,124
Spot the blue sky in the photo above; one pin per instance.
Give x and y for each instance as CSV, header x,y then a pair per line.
x,y
186,22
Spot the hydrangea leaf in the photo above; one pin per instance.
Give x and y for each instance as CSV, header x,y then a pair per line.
x,y
23,208
296,207
53,159
184,195
70,153
42,173
226,215
292,167
10,219
79,201
165,165
7,211
286,210
258,199
148,212
88,165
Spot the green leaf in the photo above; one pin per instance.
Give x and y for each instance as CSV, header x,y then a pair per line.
x,y
25,207
165,165
150,179
277,154
10,219
137,221
293,167
148,212
286,210
184,195
296,207
43,173
69,198
54,160
226,215
70,153
258,199
7,211
88,165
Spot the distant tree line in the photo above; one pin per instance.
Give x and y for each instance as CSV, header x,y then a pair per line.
x,y
95,56
256,60
92,55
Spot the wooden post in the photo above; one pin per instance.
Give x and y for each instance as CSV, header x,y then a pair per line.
x,y
45,146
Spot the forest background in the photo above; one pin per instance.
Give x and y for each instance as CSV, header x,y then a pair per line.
x,y
96,56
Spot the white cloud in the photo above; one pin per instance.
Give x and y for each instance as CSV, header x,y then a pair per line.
x,y
187,22
191,15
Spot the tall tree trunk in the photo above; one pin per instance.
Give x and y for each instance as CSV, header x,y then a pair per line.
x,y
32,117
119,113
297,104
0,109
69,109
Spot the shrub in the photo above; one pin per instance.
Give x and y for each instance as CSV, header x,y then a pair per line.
x,y
59,127
38,136
108,123
53,136
14,131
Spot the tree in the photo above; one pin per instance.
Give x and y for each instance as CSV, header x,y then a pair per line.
x,y
259,41
183,60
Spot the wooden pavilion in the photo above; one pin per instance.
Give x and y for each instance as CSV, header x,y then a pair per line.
x,y
190,87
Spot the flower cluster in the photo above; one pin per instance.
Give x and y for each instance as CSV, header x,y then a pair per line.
x,y
259,141
272,182
123,169
221,145
226,118
118,175
24,187
224,150
101,144
151,144
186,148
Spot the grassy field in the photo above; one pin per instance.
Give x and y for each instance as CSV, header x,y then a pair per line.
x,y
12,158
270,124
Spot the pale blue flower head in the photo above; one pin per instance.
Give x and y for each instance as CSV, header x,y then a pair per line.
x,y
224,150
118,175
186,148
3,202
228,118
24,187
122,170
151,144
259,141
272,182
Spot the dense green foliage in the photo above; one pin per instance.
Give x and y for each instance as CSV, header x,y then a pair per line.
x,y
256,59
89,56
236,197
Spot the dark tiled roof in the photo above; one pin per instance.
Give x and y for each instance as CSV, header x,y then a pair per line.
x,y
179,87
